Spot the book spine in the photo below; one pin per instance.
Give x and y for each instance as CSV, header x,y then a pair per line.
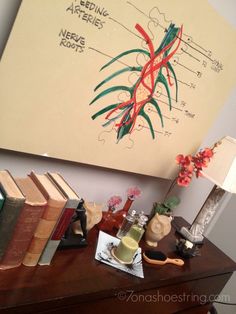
x,y
22,235
42,233
58,233
8,219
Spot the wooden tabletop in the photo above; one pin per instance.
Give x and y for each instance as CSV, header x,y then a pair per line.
x,y
75,275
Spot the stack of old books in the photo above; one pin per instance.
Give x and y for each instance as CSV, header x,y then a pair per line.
x,y
35,212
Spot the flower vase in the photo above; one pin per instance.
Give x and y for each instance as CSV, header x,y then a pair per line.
x,y
128,204
108,221
158,227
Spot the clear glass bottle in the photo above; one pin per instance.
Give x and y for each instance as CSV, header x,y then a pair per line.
x,y
137,230
126,224
138,215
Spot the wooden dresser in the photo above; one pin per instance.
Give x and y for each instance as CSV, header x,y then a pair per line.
x,y
76,283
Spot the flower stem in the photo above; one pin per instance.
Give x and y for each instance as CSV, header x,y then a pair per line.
x,y
170,188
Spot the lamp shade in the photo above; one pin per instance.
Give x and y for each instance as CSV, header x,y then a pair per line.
x,y
221,170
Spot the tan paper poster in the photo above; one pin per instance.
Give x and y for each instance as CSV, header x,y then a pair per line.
x,y
121,84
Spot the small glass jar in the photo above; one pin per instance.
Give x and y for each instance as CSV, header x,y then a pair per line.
x,y
126,224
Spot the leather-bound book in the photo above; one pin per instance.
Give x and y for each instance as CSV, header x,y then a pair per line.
x,y
14,202
55,204
27,222
65,219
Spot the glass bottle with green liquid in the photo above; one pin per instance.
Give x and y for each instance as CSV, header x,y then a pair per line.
x,y
137,229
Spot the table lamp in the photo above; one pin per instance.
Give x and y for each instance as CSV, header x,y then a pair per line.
x,y
221,170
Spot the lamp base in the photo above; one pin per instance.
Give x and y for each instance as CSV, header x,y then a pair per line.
x,y
196,239
195,233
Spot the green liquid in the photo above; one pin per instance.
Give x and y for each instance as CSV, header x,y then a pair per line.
x,y
136,233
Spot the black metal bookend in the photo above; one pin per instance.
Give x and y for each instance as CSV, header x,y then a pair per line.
x,y
70,239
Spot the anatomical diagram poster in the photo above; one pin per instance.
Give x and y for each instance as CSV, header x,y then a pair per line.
x,y
125,85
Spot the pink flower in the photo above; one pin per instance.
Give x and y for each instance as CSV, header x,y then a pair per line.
x,y
202,159
185,175
192,164
114,201
183,160
208,152
186,170
183,181
133,192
